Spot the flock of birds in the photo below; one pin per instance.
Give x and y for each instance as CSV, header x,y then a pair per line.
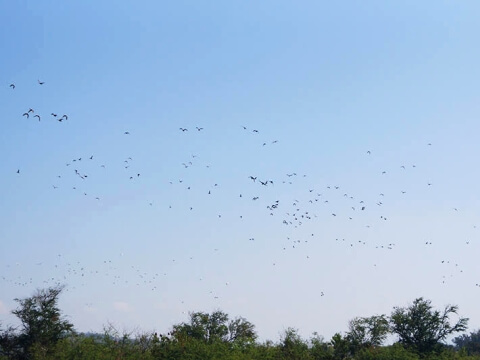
x,y
31,111
267,195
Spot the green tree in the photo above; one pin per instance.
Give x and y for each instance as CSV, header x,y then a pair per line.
x,y
470,343
319,348
42,326
216,327
293,347
342,348
365,332
423,329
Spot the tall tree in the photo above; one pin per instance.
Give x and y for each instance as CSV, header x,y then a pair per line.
x,y
366,332
42,324
293,346
216,327
420,327
470,342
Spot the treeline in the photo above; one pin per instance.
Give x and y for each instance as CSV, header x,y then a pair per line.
x,y
421,332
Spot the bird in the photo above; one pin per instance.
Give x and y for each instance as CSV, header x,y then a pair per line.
x,y
126,133
26,114
53,114
183,129
41,82
37,116
199,128
18,171
31,110
12,86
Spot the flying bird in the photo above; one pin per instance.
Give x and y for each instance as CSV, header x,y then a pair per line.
x,y
12,86
183,129
41,82
26,114
37,116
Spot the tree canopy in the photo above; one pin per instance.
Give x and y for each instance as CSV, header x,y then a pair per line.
x,y
422,331
42,325
420,327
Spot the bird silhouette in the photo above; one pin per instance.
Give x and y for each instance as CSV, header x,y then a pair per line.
x,y
26,114
41,82
12,86
37,116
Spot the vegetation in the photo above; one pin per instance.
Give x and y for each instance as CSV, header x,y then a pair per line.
x,y
421,333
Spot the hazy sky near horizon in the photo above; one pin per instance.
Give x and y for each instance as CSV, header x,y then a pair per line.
x,y
334,106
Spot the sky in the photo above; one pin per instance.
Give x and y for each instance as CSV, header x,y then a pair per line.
x,y
327,166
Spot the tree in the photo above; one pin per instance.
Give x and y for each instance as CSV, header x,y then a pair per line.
x,y
293,347
42,325
341,346
422,328
471,342
216,327
368,332
319,348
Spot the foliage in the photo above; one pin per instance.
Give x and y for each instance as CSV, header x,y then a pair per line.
x,y
292,346
216,327
319,349
42,325
365,332
423,329
342,348
213,336
393,352
470,343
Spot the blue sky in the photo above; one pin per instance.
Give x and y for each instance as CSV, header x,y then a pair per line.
x,y
346,95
